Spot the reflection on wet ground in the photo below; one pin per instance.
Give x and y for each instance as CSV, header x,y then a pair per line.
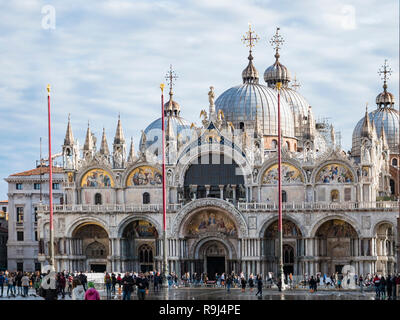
x,y
237,294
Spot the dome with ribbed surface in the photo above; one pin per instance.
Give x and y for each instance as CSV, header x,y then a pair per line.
x,y
239,105
389,118
296,101
277,73
153,133
385,98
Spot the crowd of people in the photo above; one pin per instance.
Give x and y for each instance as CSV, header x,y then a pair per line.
x,y
77,286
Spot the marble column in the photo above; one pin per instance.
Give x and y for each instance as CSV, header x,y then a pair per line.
x,y
207,189
234,192
221,191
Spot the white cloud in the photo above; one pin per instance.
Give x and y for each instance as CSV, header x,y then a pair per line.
x,y
106,57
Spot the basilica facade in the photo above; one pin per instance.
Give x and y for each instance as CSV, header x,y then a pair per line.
x,y
339,209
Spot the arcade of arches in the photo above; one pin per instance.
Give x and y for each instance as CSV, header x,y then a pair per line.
x,y
210,243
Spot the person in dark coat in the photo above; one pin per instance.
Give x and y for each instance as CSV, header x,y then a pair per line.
x,y
83,279
259,285
18,282
389,285
251,283
243,282
142,284
113,283
127,286
157,282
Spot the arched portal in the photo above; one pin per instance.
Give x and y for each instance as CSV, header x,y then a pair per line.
x,y
292,244
139,245
211,238
336,245
92,242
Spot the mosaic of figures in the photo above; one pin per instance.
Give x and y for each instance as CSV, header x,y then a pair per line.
x,y
210,221
140,229
144,175
289,228
97,178
290,174
334,173
336,229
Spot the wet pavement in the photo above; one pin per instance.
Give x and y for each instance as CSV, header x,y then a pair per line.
x,y
237,294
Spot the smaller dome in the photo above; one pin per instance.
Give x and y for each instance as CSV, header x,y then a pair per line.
x,y
385,98
250,73
277,73
171,107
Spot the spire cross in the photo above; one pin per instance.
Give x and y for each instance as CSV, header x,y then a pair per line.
x,y
385,71
171,77
296,84
277,42
250,38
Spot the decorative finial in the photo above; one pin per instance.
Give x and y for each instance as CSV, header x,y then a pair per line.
x,y
69,117
48,89
88,124
277,42
366,107
171,77
162,85
385,71
119,115
250,39
295,84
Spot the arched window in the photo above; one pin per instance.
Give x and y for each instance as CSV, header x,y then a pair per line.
x,y
97,198
145,254
274,144
146,198
394,162
288,254
284,196
288,145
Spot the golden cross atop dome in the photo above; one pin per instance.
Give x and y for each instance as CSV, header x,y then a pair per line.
x,y
250,38
277,42
171,77
385,71
295,84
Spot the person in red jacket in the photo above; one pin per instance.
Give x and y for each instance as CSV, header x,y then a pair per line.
x,y
92,293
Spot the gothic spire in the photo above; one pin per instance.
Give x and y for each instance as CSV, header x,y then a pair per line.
x,y
119,135
366,130
69,137
104,145
131,156
89,143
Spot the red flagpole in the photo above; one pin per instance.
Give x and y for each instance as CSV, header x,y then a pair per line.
x,y
280,189
165,248
50,183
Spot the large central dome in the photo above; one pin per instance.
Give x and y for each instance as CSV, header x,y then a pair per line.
x,y
240,104
244,104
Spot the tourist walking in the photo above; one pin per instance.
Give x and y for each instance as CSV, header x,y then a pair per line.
x,y
11,284
2,281
78,292
243,284
143,286
259,285
251,283
18,283
127,286
113,283
382,288
108,283
229,281
389,284
361,283
25,285
92,293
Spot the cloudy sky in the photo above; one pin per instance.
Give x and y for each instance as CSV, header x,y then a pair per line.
x,y
105,57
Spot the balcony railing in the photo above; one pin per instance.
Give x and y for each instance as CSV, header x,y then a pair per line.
x,y
242,206
317,206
